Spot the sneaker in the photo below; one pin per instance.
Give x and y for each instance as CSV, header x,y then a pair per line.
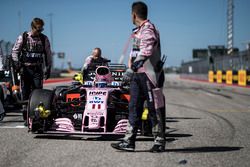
x,y
157,148
123,145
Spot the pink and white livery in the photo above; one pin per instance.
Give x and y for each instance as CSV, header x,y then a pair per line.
x,y
96,108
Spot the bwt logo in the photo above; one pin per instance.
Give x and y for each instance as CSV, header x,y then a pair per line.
x,y
98,93
96,100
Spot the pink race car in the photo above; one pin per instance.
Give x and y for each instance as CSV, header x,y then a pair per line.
x,y
99,106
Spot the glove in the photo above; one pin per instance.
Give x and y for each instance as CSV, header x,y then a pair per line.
x,y
127,75
137,64
47,73
47,76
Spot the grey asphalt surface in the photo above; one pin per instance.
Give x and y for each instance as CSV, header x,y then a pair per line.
x,y
208,125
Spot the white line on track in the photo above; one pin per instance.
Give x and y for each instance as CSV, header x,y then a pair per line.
x,y
13,127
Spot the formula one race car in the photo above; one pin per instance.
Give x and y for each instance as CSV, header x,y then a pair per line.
x,y
98,106
10,89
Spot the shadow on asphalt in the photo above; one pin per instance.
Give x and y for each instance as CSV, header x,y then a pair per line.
x,y
206,149
72,137
178,135
170,118
169,137
176,119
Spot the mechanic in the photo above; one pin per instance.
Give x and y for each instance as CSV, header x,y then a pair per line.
x,y
2,111
1,59
92,61
31,57
144,76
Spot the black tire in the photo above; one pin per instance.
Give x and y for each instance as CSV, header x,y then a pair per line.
x,y
110,122
1,93
38,96
2,111
2,116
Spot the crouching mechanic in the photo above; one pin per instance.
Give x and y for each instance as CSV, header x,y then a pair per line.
x,y
144,76
92,61
31,57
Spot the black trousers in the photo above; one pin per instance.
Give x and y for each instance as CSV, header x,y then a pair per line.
x,y
141,89
31,78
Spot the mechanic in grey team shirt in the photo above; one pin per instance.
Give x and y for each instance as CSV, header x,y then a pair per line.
x,y
31,57
146,79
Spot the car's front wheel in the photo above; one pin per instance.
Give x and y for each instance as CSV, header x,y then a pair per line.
x,y
38,97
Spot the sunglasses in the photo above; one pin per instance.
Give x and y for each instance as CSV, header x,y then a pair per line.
x,y
38,29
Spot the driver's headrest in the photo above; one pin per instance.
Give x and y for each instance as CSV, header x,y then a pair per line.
x,y
102,70
103,74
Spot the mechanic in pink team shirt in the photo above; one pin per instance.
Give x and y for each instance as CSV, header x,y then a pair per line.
x,y
146,79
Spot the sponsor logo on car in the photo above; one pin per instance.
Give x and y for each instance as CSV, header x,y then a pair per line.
x,y
97,93
96,100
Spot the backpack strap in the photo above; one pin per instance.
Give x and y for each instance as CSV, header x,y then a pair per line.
x,y
24,44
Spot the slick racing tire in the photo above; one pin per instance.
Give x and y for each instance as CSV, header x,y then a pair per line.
x,y
1,116
1,93
2,112
38,96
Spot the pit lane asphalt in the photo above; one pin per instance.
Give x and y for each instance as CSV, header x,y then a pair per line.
x,y
208,125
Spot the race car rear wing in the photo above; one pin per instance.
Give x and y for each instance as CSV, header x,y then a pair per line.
x,y
117,71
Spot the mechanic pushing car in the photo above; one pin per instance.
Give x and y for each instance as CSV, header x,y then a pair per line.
x,y
93,60
146,78
31,57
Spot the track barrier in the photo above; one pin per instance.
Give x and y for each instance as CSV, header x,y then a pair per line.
x,y
230,77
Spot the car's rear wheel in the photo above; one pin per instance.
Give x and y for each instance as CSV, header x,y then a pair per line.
x,y
2,116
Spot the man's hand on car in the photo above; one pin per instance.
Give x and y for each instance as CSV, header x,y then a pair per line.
x,y
137,64
128,75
